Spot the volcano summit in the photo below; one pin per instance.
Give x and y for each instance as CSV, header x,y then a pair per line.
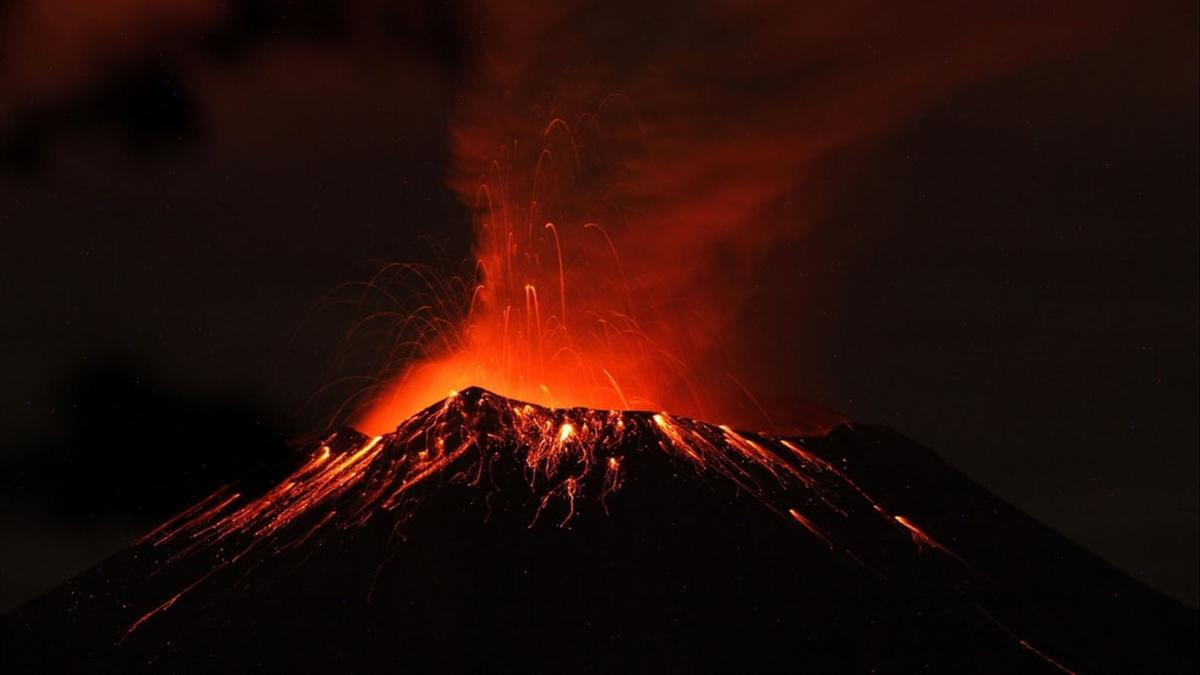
x,y
491,534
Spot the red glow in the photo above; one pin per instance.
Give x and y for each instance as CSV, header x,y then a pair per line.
x,y
572,458
621,211
554,317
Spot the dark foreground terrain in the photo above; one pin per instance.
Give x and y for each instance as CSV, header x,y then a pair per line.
x,y
675,567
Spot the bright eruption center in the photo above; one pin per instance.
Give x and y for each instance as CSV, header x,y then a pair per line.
x,y
550,314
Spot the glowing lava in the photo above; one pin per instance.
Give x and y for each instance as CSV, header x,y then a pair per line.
x,y
548,314
572,458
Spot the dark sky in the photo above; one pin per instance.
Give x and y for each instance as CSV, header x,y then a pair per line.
x,y
1006,272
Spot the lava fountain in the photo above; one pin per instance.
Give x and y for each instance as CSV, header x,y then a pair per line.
x,y
552,315
619,238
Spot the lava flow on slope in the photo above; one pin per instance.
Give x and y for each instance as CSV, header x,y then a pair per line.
x,y
486,533
571,459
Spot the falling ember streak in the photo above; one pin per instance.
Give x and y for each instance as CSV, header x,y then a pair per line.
x,y
922,539
807,524
1034,650
1024,644
562,279
612,481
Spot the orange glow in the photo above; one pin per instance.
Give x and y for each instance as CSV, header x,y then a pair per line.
x,y
551,314
807,524
620,217
571,456
920,538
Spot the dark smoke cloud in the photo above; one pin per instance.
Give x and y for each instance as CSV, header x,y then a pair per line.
x,y
131,65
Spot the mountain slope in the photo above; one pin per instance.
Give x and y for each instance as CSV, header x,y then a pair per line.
x,y
488,534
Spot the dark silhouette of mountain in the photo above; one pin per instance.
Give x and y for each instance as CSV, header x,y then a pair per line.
x,y
490,535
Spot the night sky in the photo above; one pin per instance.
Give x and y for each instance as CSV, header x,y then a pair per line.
x,y
1001,263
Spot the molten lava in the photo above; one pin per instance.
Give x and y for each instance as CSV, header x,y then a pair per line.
x,y
571,458
549,314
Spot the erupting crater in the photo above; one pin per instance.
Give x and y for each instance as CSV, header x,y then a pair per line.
x,y
488,533
568,459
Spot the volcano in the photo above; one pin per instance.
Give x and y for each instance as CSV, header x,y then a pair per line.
x,y
486,533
